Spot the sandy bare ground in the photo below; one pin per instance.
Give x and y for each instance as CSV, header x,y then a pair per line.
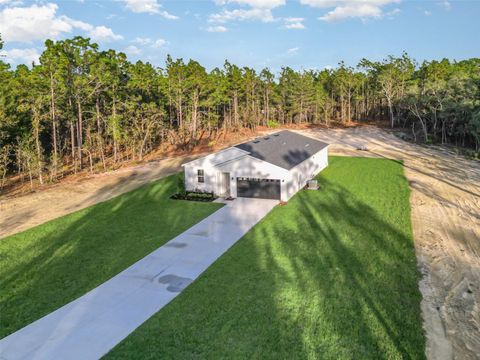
x,y
445,216
23,212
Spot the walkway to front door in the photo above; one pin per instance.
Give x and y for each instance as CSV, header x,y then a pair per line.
x,y
90,326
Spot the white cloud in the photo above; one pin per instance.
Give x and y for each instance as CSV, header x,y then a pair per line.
x,y
264,15
154,44
293,51
446,4
294,23
26,56
10,2
295,26
391,14
40,22
257,10
149,7
259,4
32,23
427,12
344,9
293,19
158,43
77,24
352,11
143,6
142,41
103,34
133,50
218,28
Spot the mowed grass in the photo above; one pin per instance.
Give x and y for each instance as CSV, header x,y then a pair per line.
x,y
332,275
50,265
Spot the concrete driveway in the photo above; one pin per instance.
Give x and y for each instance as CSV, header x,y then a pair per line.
x,y
91,325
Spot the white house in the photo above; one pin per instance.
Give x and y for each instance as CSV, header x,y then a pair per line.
x,y
275,166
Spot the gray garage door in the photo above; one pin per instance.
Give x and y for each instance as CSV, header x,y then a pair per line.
x,y
258,188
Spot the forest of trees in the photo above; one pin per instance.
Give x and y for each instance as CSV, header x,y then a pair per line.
x,y
82,108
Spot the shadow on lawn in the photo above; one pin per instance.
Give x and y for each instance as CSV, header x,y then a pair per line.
x,y
46,267
363,289
326,276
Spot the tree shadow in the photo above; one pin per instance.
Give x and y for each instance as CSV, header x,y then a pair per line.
x,y
377,296
330,275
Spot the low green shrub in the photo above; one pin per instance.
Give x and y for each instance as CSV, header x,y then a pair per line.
x,y
272,124
195,196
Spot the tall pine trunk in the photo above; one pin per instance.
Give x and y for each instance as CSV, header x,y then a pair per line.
x,y
36,130
54,126
235,108
194,114
72,143
114,132
79,133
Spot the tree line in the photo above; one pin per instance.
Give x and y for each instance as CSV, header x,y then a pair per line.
x,y
85,108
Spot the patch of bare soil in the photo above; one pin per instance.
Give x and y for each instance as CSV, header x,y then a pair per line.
x,y
16,187
445,204
22,209
23,212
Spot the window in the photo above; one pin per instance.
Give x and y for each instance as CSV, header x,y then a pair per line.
x,y
201,177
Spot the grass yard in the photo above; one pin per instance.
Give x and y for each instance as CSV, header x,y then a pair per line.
x,y
50,265
331,275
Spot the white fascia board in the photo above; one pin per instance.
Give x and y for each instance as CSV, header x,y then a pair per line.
x,y
195,160
219,165
217,153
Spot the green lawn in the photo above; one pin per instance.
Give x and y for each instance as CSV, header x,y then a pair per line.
x,y
331,275
50,265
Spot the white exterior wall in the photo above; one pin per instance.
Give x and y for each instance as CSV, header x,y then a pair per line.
x,y
308,169
207,164
242,165
251,167
191,178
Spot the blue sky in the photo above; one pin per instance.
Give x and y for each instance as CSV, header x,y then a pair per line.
x,y
257,33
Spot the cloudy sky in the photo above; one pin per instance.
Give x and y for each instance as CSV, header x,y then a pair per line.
x,y
257,33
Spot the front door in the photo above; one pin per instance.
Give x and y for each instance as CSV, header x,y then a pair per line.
x,y
226,184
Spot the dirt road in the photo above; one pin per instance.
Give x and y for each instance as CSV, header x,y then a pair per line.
x,y
445,216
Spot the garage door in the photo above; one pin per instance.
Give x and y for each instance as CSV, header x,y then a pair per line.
x,y
258,188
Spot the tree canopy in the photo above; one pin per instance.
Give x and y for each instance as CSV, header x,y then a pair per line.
x,y
86,108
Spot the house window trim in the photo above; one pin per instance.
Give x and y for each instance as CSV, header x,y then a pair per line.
x,y
200,176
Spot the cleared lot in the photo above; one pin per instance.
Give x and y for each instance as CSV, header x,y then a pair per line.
x,y
445,204
331,275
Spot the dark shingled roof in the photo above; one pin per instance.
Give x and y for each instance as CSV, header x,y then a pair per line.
x,y
284,148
